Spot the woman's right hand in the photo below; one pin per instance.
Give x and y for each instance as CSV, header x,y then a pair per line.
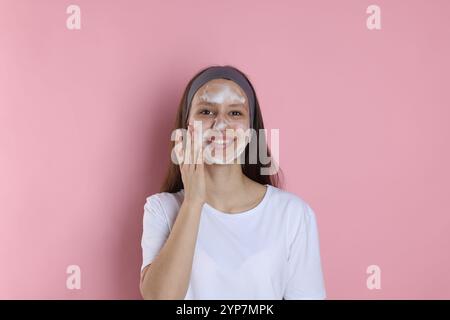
x,y
192,171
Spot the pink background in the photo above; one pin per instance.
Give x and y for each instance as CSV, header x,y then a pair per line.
x,y
85,118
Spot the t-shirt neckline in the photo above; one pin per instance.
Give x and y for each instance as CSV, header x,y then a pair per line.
x,y
242,213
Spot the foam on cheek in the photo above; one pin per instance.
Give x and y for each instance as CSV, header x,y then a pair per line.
x,y
240,125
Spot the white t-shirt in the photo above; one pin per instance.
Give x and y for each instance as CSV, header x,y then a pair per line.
x,y
268,252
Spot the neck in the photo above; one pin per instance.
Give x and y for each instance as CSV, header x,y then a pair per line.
x,y
224,182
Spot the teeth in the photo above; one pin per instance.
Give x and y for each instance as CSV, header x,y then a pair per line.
x,y
222,141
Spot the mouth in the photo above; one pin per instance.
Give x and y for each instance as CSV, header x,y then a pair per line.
x,y
220,142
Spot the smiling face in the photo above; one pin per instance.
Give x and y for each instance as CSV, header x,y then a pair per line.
x,y
222,107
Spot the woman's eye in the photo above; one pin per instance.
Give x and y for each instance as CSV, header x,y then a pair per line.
x,y
205,112
236,113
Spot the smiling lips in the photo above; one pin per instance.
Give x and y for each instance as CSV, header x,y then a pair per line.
x,y
220,142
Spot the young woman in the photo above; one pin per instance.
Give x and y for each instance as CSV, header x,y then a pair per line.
x,y
220,228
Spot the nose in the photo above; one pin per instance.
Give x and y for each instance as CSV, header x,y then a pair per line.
x,y
220,123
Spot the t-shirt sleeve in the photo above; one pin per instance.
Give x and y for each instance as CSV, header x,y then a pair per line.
x,y
305,278
155,229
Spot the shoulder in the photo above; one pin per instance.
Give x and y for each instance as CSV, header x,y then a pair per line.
x,y
165,204
296,210
166,199
290,201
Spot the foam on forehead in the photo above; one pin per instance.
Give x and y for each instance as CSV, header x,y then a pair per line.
x,y
220,72
221,96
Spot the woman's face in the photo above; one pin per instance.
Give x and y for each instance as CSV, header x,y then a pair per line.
x,y
222,107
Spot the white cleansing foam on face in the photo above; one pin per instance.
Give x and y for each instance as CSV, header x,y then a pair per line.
x,y
225,94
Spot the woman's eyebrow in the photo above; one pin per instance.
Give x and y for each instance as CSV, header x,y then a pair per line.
x,y
204,102
238,104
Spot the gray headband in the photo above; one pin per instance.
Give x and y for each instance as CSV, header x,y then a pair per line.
x,y
218,72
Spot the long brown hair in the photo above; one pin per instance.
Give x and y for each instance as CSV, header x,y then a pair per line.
x,y
173,182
